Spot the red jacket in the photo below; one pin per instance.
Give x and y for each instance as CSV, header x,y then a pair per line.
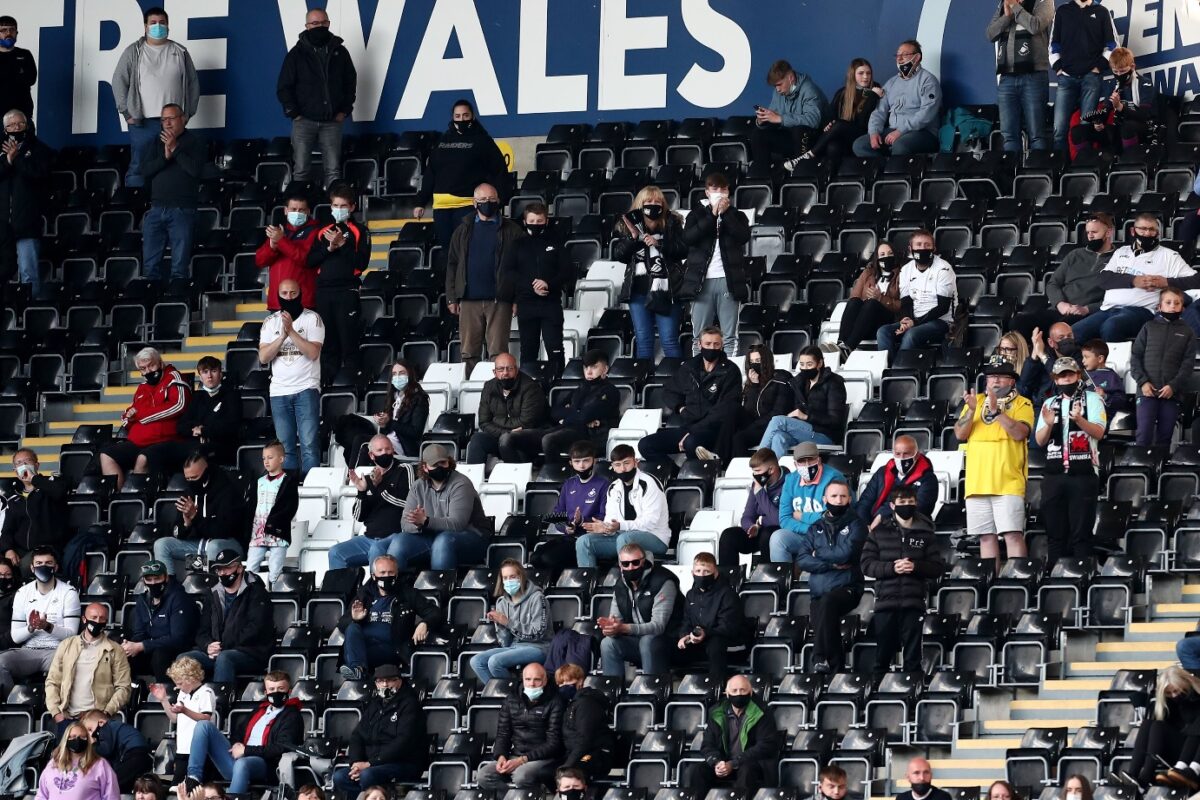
x,y
288,262
158,407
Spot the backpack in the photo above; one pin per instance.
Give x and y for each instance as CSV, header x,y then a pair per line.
x,y
569,647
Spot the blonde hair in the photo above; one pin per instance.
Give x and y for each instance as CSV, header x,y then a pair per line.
x,y
653,195
1018,341
185,669
510,562
64,759
1175,677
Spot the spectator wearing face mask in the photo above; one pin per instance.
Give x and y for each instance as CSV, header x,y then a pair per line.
x,y
150,419
714,277
387,619
528,736
874,300
635,514
570,783
35,511
89,671
819,407
645,614
76,772
741,744
1021,31
380,508
45,612
403,419
464,157
1129,108
341,252
211,423
713,620
536,270
443,517
586,412
277,498
523,625
18,70
766,394
649,240
24,167
237,626
928,293
760,518
125,748
908,466
802,502
285,251
906,120
920,781
1082,37
852,107
1161,363
512,416
389,743
209,513
788,127
583,497
162,624
290,342
587,732
1037,380
8,596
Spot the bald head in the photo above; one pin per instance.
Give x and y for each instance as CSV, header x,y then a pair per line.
x,y
533,676
504,366
317,18
737,685
95,617
1058,332
919,771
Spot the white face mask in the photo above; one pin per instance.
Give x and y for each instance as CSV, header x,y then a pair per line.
x,y
1074,795
716,197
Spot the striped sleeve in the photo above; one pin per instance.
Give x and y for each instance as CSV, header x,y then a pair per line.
x,y
180,389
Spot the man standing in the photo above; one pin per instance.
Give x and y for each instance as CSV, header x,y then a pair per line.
x,y
1073,290
1070,427
285,251
88,671
389,744
18,70
163,624
173,166
512,409
317,85
528,736
789,125
473,277
290,341
537,269
741,745
237,626
1082,38
386,620
996,431
211,513
24,168
715,274
35,513
1021,31
153,72
45,612
341,252
906,119
928,292
646,611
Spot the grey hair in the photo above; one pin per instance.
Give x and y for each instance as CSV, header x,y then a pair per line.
x,y
16,112
386,557
147,354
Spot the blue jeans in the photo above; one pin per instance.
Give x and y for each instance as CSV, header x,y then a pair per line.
x,y
1073,94
783,433
357,551
140,137
644,324
28,253
1188,653
1022,100
499,661
785,546
209,744
651,653
160,225
715,300
226,666
369,644
923,335
446,549
921,141
168,548
1120,324
299,415
378,775
593,546
274,556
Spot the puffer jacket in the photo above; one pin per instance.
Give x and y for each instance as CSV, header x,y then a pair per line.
x,y
703,395
828,543
23,187
824,402
392,731
249,626
585,728
673,248
702,235
524,407
530,728
718,610
887,544
317,82
765,400
1163,353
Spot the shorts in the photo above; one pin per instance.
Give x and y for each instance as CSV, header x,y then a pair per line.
x,y
995,513
122,451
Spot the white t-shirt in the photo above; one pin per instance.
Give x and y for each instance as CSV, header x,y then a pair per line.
x,y
291,371
1159,261
202,701
159,79
925,287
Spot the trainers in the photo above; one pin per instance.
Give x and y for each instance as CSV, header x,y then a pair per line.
x,y
791,163
351,673
704,454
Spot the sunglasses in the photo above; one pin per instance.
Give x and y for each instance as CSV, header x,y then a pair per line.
x,y
637,562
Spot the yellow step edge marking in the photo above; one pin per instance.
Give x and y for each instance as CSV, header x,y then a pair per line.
x,y
1192,588
205,341
1187,608
1077,684
957,783
1113,666
1043,705
1163,626
229,324
72,424
1024,724
985,744
45,441
242,307
1136,647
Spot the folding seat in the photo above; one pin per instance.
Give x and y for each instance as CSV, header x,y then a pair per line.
x,y
802,760
1088,753
890,707
976,650
1014,587
939,710
859,753
1025,655
842,703
1030,764
1118,706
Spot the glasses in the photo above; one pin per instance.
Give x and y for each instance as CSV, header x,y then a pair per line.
x,y
637,562
1007,349
1145,229
317,24
170,119
909,54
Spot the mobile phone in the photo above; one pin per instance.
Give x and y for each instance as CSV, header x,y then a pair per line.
x,y
697,631
759,108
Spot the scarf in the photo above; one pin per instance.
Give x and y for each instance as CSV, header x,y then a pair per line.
x,y
890,473
1069,447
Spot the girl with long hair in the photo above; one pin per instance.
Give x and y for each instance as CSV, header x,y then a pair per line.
x,y
1169,733
766,393
402,420
874,299
650,242
852,106
76,772
523,625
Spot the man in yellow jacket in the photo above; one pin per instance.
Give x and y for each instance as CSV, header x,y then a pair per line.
x,y
88,671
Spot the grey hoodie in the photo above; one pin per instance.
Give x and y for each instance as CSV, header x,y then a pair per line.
x,y
455,507
126,82
908,105
528,618
1004,29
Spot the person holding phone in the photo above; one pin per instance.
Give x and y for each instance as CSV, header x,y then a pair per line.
x,y
342,252
209,513
788,126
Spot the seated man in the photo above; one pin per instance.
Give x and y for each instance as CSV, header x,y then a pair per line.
x,y
276,727
920,781
570,783
906,119
802,502
587,725
1036,382
211,512
88,671
210,424
389,743
1129,104
512,409
528,736
385,620
151,418
586,412
741,743
45,612
821,409
126,750
908,467
1073,290
237,624
35,513
584,496
760,518
1135,275
380,507
928,292
646,611
443,517
163,623
635,512
713,620
702,393
788,127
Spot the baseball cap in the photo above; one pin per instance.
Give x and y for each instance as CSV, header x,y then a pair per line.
x,y
999,365
153,568
384,671
1065,364
806,450
227,557
433,454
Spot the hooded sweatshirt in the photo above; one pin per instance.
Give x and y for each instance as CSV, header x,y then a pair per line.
x,y
459,163
1023,37
528,618
454,507
804,107
907,105
808,499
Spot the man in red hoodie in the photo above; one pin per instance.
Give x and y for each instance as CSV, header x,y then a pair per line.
x,y
150,418
285,251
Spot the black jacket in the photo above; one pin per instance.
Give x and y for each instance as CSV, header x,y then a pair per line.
x,y
249,626
317,83
6,607
535,258
585,728
525,406
219,416
1080,38
697,395
824,402
460,253
408,608
529,728
23,186
762,738
701,233
221,511
588,402
339,269
171,625
863,117
381,506
717,610
771,399
874,498
18,74
37,519
1163,353
460,162
287,503
284,734
175,183
673,248
887,544
408,425
392,731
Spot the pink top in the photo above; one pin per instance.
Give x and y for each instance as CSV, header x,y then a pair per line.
x,y
98,783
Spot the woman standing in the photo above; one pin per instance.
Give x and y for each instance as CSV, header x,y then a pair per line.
x,y
852,106
75,772
874,300
523,628
650,242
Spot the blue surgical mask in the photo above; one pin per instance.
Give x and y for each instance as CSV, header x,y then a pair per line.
x,y
533,692
296,218
512,586
157,31
340,214
7,43
399,382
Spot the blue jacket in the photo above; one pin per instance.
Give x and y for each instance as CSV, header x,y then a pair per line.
x,y
828,543
805,107
170,625
115,740
808,500
921,478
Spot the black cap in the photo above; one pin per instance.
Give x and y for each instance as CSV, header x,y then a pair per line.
x,y
227,557
384,671
999,365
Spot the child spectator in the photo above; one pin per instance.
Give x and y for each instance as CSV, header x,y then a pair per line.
x,y
196,702
1163,353
1109,385
583,497
278,499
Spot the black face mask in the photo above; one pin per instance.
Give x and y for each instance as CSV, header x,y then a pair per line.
x,y
923,257
1067,348
704,582
439,474
7,585
1144,244
1095,245
277,699
920,788
152,378
835,510
318,37
386,693
229,579
293,306
385,460
1124,79
535,230
1170,316
43,574
585,475
1068,388
463,125
711,356
572,794
763,480
157,590
17,136
387,584
93,628
488,208
633,575
77,745
652,211
905,465
507,384
754,369
627,477
739,701
809,374
196,487
886,263
905,512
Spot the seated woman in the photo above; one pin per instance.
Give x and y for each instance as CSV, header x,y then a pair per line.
x,y
874,300
852,106
766,394
76,771
402,421
523,626
1170,733
1129,107
1002,790
649,240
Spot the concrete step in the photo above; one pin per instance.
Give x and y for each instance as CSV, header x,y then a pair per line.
x,y
1056,708
1011,726
1110,667
205,342
1123,651
1165,630
1075,688
968,769
250,312
1177,611
987,747
96,417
